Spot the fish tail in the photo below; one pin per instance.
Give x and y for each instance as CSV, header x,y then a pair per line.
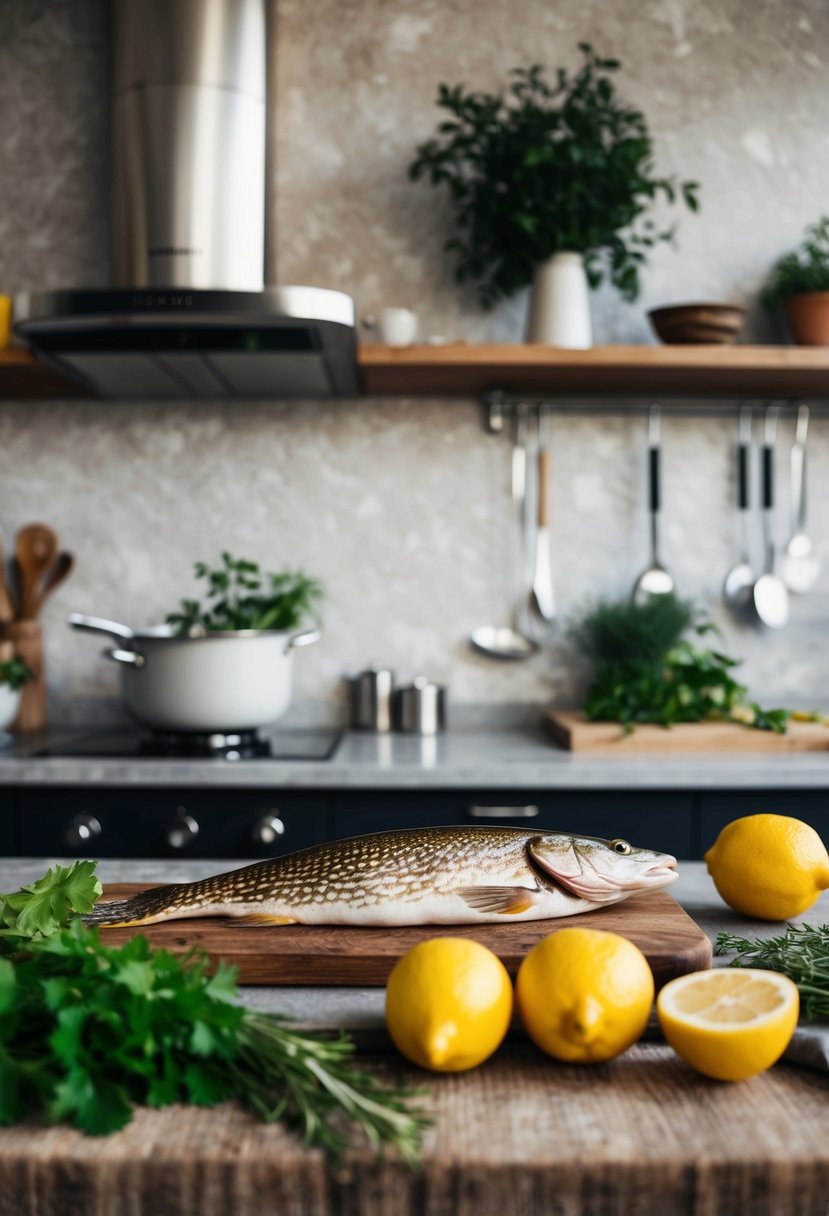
x,y
142,909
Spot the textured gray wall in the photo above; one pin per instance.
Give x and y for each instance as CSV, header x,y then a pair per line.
x,y
401,506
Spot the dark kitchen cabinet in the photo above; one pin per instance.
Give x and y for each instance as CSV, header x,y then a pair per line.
x,y
656,820
169,823
719,808
8,822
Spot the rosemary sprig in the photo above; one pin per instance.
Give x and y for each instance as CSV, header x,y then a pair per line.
x,y
308,1082
801,953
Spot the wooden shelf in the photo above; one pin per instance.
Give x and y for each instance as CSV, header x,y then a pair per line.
x,y
466,370
22,376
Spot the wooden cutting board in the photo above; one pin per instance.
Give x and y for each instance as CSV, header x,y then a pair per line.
x,y
334,954
571,730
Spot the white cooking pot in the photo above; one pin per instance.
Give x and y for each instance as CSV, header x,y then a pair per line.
x,y
215,683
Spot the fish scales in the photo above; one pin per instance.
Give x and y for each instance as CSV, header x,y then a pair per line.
x,y
450,875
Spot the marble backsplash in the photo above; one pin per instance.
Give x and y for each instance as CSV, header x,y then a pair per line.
x,y
401,507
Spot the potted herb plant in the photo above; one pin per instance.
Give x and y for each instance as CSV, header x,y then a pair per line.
x,y
799,282
552,184
13,675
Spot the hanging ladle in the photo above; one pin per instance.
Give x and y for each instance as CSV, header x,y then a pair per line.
x,y
507,641
771,597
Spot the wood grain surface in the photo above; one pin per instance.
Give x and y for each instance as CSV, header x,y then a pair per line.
x,y
519,1136
334,954
468,369
571,730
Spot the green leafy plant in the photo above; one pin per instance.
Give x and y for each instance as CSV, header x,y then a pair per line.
x,y
15,673
241,596
88,1031
801,953
805,269
645,671
544,169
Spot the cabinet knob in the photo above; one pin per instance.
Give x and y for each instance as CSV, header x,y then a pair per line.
x,y
83,828
502,812
183,830
268,829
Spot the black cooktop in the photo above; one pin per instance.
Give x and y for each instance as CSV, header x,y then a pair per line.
x,y
313,743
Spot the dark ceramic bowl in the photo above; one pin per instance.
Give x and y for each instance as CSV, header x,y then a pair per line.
x,y
683,324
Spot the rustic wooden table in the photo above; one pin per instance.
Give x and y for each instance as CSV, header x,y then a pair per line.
x,y
520,1136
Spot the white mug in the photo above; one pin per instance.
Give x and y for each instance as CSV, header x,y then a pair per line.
x,y
394,326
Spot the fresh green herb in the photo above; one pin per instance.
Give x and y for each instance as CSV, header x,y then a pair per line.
x,y
88,1031
644,671
15,673
44,906
243,597
801,953
549,168
805,269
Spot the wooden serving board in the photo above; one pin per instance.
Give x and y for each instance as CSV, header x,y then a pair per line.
x,y
571,730
334,954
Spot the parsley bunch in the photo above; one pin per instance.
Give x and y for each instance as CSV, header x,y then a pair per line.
x,y
88,1031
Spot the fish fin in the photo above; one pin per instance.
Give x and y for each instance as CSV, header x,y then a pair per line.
x,y
261,918
509,901
560,863
127,924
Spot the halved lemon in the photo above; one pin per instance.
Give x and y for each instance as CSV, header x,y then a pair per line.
x,y
730,1023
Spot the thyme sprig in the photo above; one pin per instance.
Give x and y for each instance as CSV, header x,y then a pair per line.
x,y
801,953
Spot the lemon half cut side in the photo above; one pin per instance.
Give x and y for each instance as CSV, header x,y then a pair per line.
x,y
729,1023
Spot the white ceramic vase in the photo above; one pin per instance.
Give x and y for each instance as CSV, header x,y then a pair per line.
x,y
560,303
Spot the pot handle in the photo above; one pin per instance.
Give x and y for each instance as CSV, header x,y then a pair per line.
x,y
131,657
306,638
98,624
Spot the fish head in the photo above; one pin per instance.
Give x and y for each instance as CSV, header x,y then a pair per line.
x,y
601,871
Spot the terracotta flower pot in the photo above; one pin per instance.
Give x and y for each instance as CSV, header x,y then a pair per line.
x,y
808,318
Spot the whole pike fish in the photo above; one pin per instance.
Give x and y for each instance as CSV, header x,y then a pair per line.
x,y
416,876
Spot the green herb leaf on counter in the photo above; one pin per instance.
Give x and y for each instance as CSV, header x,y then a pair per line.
x,y
801,953
644,671
15,673
88,1031
42,907
244,597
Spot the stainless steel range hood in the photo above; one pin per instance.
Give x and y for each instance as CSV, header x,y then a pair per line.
x,y
188,315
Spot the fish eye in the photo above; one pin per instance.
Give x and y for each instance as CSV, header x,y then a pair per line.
x,y
620,846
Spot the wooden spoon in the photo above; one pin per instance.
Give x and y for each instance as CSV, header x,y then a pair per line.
x,y
6,605
63,567
36,550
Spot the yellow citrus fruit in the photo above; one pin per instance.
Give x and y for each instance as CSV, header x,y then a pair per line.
x,y
448,1003
771,867
584,995
730,1023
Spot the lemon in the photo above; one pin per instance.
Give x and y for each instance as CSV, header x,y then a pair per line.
x,y
771,867
730,1023
448,1003
584,995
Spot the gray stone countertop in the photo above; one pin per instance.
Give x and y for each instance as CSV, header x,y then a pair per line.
x,y
360,1010
505,757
